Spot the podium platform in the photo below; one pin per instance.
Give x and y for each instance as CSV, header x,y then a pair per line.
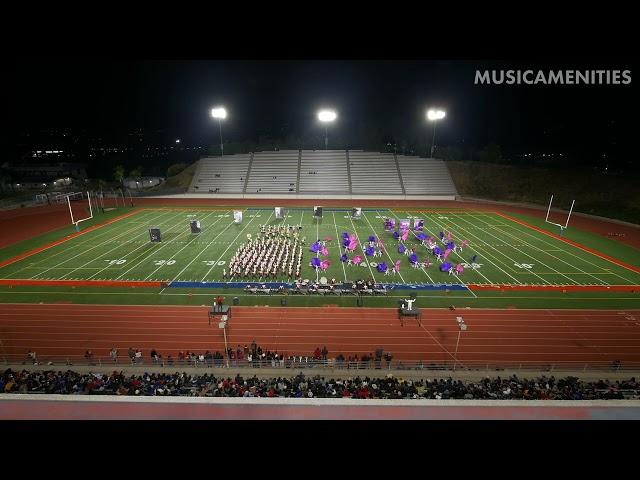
x,y
224,310
413,313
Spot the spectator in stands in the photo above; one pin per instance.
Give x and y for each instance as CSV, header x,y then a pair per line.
x,y
113,353
138,357
388,357
88,355
31,357
132,354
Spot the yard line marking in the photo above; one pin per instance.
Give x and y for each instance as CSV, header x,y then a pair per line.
x,y
363,254
524,253
461,258
203,250
526,231
317,239
476,247
344,270
188,243
144,244
152,252
85,239
234,241
69,243
386,250
126,232
551,255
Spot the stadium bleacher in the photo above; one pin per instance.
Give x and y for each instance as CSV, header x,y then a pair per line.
x,y
420,175
324,172
221,174
318,173
274,172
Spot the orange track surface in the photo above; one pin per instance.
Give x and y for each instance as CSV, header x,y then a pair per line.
x,y
493,335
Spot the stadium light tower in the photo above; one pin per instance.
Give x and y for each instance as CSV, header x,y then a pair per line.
x,y
220,113
326,117
433,115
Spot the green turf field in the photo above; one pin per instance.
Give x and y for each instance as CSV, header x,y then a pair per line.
x,y
507,253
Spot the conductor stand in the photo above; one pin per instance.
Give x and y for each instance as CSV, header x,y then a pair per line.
x,y
219,312
406,309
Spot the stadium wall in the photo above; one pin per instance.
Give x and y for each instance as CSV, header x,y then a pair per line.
x,y
380,197
68,407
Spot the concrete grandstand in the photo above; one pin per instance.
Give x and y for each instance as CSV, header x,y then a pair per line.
x,y
339,174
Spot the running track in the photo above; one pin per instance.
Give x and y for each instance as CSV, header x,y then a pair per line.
x,y
493,336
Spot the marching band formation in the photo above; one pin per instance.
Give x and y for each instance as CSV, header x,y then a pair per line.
x,y
274,252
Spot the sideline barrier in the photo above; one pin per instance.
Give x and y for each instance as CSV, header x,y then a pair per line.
x,y
302,362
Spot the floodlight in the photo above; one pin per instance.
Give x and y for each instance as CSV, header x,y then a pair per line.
x,y
434,114
219,112
327,115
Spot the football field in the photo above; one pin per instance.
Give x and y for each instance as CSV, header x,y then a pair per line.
x,y
507,252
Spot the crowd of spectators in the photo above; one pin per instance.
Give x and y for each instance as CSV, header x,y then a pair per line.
x,y
389,387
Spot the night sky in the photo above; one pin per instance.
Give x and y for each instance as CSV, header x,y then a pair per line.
x,y
280,98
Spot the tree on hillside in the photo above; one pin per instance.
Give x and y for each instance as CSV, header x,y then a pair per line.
x,y
492,153
175,169
118,174
136,174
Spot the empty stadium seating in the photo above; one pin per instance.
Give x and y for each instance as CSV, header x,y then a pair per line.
x,y
319,173
425,175
324,172
225,174
274,172
374,173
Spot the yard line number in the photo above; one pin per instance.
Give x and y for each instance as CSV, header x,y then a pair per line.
x,y
159,263
523,265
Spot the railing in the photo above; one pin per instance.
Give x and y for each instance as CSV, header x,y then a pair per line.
x,y
332,364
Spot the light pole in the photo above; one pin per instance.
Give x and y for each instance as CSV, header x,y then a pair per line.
x,y
220,113
461,328
433,115
326,117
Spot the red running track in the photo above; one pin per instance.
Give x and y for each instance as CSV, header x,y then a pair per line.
x,y
493,336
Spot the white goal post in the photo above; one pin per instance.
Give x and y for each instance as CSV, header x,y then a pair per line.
x,y
75,221
562,227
